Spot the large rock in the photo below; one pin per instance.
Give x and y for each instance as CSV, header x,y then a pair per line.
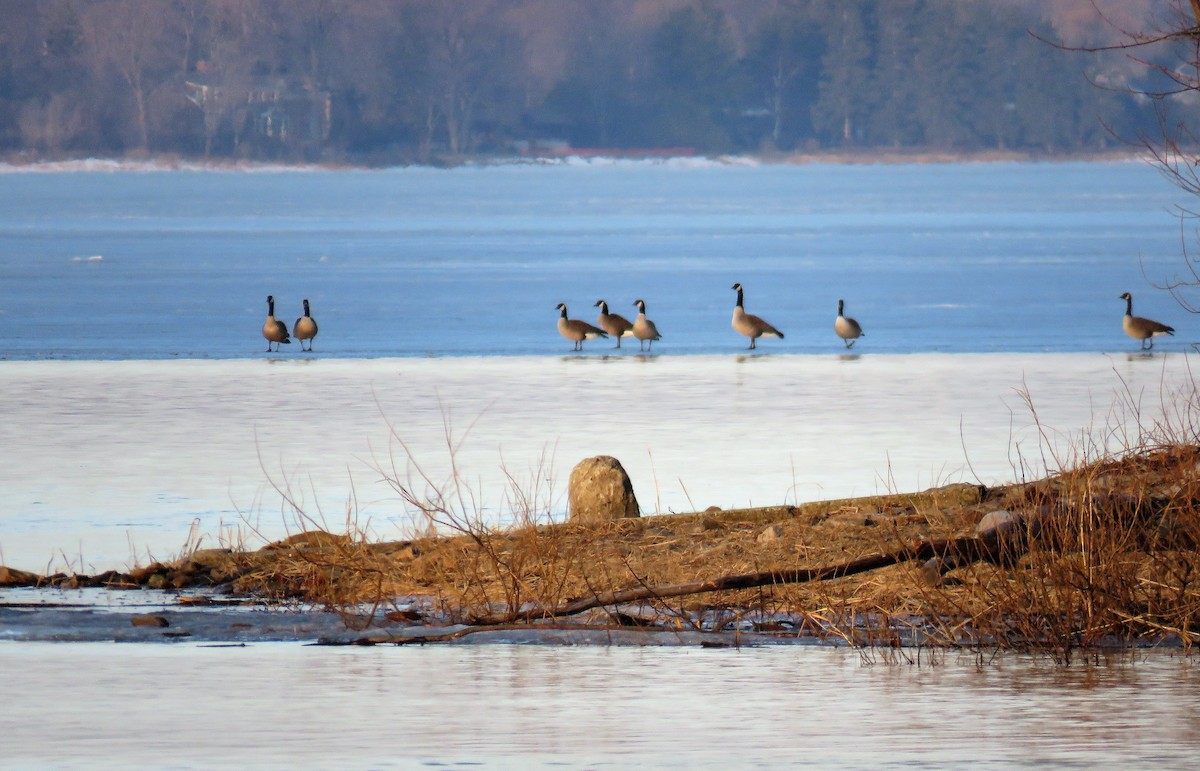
x,y
600,490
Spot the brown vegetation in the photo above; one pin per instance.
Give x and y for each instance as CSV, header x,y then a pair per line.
x,y
1108,553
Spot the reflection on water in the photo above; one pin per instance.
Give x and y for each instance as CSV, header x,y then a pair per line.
x,y
284,705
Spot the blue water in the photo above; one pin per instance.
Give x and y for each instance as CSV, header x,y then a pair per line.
x,y
1015,257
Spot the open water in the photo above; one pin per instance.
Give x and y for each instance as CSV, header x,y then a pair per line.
x,y
285,706
141,410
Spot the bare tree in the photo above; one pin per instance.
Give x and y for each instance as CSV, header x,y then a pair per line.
x,y
221,87
1167,55
131,36
467,56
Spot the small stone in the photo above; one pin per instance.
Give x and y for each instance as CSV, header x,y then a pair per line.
x,y
142,575
852,518
932,570
406,552
156,621
208,559
999,522
770,535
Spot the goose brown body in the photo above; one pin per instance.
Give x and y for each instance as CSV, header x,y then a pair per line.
x,y
274,330
846,328
643,328
1142,328
305,328
615,325
576,330
750,325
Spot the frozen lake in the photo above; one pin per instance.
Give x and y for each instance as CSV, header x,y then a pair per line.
x,y
950,258
140,400
108,463
141,410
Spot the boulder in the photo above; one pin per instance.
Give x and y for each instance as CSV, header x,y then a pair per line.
x,y
599,490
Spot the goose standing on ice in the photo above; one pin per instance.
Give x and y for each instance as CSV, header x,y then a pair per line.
x,y
613,324
846,328
1142,329
643,328
576,330
274,330
305,328
749,325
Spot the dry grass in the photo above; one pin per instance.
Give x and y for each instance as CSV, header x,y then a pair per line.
x,y
1108,553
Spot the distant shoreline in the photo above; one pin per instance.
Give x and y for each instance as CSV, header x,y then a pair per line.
x,y
18,164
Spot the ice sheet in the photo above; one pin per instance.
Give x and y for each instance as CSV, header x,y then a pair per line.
x,y
107,463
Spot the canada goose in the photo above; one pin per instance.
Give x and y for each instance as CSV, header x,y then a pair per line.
x,y
617,326
1142,329
749,325
275,331
576,330
305,328
846,328
643,328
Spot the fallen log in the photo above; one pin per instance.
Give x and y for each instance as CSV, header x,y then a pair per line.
x,y
951,551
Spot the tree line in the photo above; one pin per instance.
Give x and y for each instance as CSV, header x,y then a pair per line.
x,y
421,80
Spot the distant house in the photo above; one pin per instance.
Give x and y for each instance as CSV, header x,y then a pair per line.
x,y
267,108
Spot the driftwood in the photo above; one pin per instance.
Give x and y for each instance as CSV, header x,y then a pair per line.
x,y
952,552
